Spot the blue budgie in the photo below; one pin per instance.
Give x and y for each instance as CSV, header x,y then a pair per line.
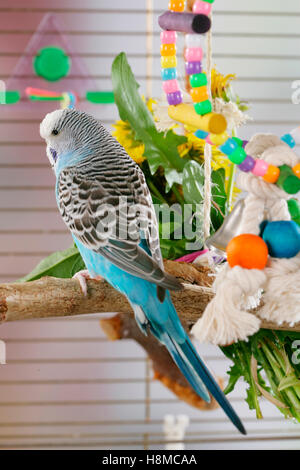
x,y
95,180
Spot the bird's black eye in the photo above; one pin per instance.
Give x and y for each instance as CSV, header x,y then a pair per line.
x,y
55,132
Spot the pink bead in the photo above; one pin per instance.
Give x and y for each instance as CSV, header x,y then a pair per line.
x,y
193,54
201,8
208,141
170,86
168,37
260,168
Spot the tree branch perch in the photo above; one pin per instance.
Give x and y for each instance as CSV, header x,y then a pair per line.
x,y
52,297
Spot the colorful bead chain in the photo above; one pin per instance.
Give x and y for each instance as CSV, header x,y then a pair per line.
x,y
284,177
168,63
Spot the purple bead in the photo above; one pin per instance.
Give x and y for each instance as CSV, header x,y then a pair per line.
x,y
174,98
192,68
248,164
245,142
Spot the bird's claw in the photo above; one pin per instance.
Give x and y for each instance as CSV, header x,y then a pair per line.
x,y
82,277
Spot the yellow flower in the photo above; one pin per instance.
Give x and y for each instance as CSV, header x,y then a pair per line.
x,y
124,135
220,84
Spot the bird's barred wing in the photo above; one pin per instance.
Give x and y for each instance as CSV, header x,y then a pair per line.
x,y
91,202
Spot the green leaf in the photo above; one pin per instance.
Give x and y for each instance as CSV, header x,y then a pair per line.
x,y
219,197
63,264
160,149
193,182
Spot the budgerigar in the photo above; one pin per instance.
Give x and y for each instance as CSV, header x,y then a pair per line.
x,y
94,175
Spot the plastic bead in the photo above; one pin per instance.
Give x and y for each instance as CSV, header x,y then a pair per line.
x,y
260,168
272,174
201,134
289,140
296,170
192,68
169,74
170,86
218,139
199,94
174,98
176,5
167,49
238,141
203,107
294,210
229,147
197,80
248,164
201,8
282,238
245,142
287,180
168,37
208,141
248,251
193,40
169,61
193,54
238,156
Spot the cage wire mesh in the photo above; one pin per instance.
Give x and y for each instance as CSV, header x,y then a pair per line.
x,y
65,385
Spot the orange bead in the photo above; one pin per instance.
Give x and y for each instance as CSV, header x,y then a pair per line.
x,y
248,251
176,5
296,170
199,94
272,174
167,49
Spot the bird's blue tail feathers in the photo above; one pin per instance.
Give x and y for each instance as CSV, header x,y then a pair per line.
x,y
164,324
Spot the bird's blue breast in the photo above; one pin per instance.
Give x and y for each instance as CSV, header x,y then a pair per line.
x,y
136,289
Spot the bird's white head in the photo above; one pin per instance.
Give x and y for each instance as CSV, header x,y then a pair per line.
x,y
68,131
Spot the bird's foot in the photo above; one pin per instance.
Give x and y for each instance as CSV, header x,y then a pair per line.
x,y
82,277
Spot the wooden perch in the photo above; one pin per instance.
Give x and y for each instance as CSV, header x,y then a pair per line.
x,y
124,326
52,297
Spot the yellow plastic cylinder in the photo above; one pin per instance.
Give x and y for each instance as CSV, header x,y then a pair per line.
x,y
212,122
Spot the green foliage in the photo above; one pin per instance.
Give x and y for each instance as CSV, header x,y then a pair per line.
x,y
160,148
274,352
62,264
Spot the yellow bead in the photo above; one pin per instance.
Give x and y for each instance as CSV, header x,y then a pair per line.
x,y
176,5
167,49
218,139
296,170
169,61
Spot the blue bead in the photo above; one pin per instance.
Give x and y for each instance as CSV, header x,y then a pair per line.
x,y
169,73
282,238
201,134
289,139
228,147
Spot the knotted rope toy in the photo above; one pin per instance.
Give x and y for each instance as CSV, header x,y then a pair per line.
x,y
264,260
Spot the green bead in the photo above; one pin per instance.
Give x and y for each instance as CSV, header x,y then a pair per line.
x,y
237,156
203,107
238,141
100,97
9,97
198,79
52,63
294,210
209,1
287,180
